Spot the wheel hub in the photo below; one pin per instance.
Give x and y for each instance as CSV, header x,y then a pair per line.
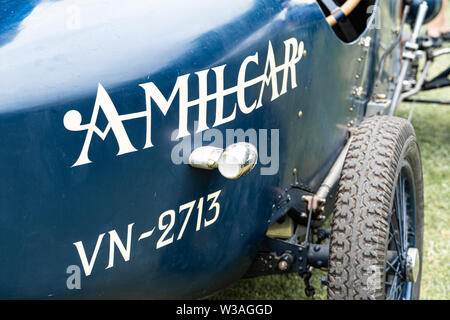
x,y
412,264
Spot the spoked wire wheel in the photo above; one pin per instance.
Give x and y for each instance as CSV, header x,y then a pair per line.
x,y
402,260
377,227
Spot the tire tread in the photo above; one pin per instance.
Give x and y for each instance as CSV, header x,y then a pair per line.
x,y
360,226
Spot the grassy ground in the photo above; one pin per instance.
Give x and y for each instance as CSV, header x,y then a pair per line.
x,y
432,125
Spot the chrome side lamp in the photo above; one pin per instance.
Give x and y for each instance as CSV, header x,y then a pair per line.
x,y
236,161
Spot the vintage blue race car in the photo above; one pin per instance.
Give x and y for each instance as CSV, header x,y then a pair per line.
x,y
165,149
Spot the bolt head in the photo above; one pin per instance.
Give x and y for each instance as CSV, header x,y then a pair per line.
x,y
381,96
283,265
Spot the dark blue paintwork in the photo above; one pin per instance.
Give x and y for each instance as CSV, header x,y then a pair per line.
x,y
48,69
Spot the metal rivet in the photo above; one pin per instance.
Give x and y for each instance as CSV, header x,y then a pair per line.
x,y
305,53
360,59
283,265
357,76
294,171
300,114
381,96
350,109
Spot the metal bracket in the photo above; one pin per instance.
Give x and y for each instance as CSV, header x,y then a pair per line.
x,y
316,205
291,201
282,257
377,107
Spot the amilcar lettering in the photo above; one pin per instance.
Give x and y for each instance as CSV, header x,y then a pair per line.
x,y
292,55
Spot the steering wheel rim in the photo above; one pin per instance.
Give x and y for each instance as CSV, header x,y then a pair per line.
x,y
341,12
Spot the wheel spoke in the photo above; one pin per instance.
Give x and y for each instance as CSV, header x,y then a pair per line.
x,y
398,209
395,285
404,212
391,265
398,234
393,237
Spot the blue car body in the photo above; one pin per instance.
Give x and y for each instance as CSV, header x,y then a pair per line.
x,y
80,190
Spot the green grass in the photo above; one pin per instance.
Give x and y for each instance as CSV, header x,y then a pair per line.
x,y
432,125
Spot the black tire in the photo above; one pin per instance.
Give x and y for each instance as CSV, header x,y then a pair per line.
x,y
381,149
